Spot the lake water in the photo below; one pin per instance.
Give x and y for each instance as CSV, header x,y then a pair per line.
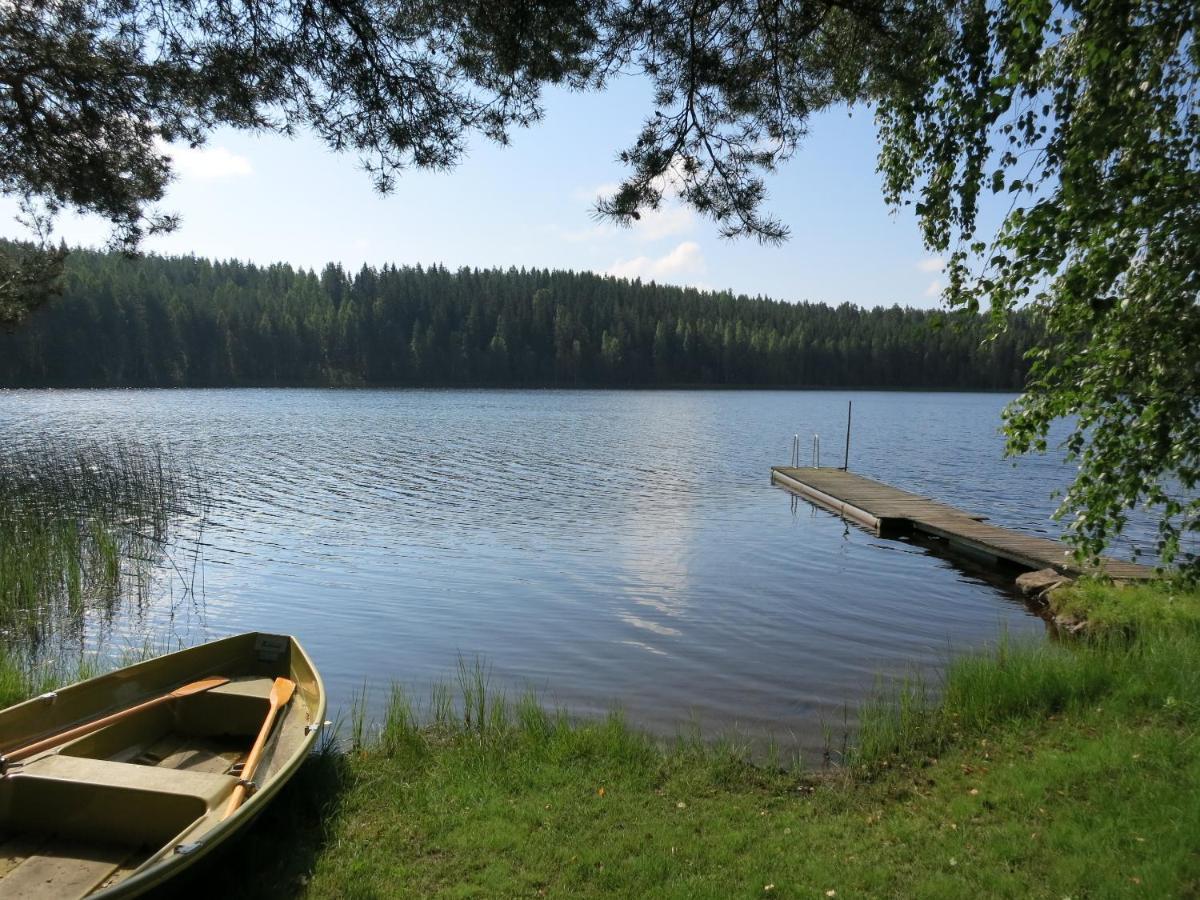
x,y
602,548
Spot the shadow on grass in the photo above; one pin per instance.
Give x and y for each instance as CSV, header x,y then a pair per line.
x,y
274,854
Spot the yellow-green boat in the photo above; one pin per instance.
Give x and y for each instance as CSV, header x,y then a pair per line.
x,y
113,785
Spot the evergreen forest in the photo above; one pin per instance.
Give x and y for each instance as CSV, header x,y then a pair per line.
x,y
182,321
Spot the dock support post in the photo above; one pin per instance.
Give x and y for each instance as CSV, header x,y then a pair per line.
x,y
846,461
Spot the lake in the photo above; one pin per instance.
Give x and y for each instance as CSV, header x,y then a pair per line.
x,y
603,548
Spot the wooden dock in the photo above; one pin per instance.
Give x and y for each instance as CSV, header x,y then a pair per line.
x,y
890,511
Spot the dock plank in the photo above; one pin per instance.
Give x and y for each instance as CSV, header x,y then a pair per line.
x,y
874,503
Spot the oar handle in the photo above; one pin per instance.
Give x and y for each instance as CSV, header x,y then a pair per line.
x,y
187,690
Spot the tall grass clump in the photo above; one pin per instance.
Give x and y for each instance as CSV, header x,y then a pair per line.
x,y
1137,651
1171,604
17,681
482,728
78,524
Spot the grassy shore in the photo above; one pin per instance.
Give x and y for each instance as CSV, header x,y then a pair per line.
x,y
1052,770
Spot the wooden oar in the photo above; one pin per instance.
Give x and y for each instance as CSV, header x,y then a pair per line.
x,y
281,693
196,687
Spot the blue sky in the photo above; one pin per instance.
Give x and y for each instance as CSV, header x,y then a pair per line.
x,y
267,199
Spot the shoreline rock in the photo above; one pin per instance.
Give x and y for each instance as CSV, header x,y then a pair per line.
x,y
1038,585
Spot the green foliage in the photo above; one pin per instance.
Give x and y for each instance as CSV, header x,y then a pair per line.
x,y
90,90
1084,112
29,276
734,86
184,321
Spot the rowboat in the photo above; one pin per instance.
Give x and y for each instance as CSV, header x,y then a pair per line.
x,y
113,785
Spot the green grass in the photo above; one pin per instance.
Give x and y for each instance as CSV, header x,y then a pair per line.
x,y
1166,604
1043,770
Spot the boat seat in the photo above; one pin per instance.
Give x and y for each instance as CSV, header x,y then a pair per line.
x,y
207,786
257,687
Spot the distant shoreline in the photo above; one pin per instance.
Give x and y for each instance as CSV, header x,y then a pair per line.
x,y
555,388
167,322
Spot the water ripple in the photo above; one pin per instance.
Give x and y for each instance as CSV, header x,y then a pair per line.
x,y
598,546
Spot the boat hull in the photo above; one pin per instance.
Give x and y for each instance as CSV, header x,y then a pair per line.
x,y
124,808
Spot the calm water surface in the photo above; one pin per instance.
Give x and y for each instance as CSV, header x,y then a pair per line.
x,y
601,547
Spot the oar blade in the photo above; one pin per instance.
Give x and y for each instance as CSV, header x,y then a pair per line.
x,y
199,687
281,691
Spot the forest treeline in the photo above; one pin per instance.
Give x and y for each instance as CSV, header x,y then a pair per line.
x,y
182,321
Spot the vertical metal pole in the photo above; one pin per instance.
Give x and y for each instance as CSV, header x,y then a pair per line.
x,y
849,410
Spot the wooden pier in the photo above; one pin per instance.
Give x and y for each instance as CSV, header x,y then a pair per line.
x,y
890,511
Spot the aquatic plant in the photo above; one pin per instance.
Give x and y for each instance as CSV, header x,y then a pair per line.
x,y
82,525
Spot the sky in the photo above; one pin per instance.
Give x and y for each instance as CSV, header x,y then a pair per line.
x,y
268,199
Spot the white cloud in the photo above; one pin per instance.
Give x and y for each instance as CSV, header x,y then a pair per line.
x,y
668,183
671,218
933,264
667,220
207,163
680,265
934,289
594,193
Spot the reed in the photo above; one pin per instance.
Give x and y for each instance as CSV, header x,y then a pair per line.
x,y
23,675
358,720
81,524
